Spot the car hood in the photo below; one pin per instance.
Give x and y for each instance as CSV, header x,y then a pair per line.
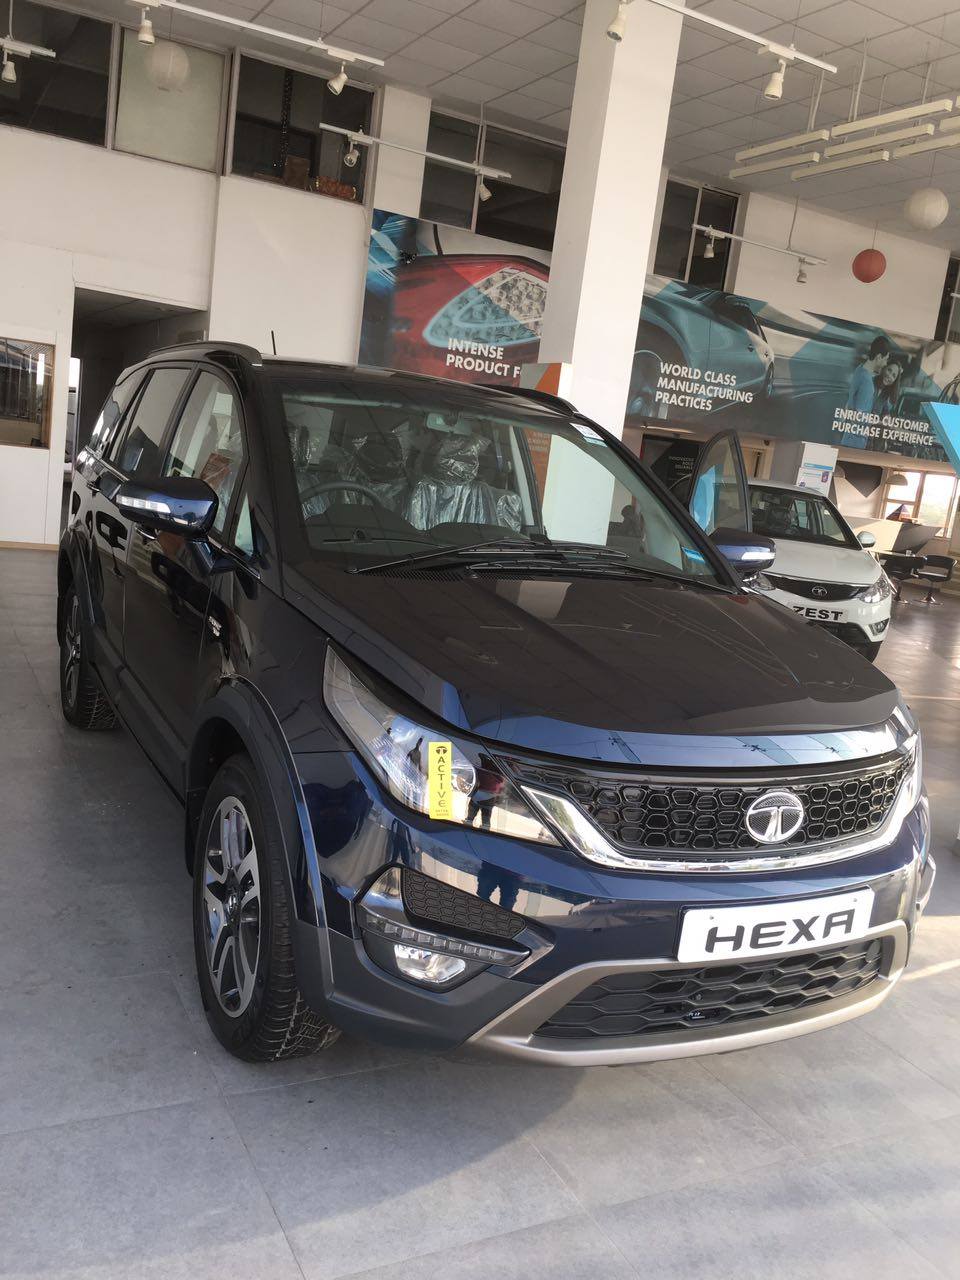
x,y
600,668
824,564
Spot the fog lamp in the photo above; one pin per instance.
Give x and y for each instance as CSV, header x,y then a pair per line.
x,y
423,965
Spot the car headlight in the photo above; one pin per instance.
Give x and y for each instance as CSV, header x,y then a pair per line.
x,y
427,769
913,782
877,591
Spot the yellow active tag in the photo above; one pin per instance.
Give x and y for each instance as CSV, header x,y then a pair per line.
x,y
439,766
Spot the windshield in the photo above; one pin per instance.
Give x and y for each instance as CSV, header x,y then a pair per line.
x,y
377,475
802,517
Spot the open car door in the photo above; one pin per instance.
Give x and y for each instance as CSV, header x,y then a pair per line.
x,y
717,495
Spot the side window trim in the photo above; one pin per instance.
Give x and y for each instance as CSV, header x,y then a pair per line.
x,y
167,436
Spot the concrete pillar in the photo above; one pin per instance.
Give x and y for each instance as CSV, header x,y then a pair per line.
x,y
398,180
608,205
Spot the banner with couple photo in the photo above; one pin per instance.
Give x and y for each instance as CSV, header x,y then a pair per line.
x,y
445,301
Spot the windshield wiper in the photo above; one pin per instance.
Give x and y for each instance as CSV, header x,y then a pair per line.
x,y
452,550
541,548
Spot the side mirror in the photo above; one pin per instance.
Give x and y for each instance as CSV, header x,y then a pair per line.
x,y
749,553
172,504
866,539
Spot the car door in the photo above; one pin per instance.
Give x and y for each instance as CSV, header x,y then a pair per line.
x,y
718,496
169,576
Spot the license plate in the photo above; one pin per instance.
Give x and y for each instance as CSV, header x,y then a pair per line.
x,y
730,933
817,614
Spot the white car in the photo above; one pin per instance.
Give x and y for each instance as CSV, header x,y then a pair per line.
x,y
823,571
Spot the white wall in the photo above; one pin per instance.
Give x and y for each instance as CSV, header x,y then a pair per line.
x,y
905,299
290,261
75,215
398,175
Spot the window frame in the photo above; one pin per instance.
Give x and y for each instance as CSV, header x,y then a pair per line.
x,y
700,188
163,444
482,124
223,541
917,503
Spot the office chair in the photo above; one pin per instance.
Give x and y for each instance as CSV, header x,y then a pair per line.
x,y
936,570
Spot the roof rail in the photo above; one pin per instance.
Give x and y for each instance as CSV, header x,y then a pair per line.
x,y
534,393
250,354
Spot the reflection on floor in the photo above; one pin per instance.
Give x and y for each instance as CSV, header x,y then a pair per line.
x,y
131,1145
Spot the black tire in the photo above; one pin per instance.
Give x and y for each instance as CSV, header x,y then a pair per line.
x,y
82,701
257,1013
869,651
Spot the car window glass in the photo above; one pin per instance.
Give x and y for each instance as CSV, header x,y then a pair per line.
x,y
379,475
208,443
139,449
113,411
716,501
243,532
779,513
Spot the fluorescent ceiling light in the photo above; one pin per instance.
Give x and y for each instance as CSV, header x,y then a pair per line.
x,y
850,162
713,234
936,107
785,144
319,45
358,138
765,166
789,53
880,139
949,126
934,144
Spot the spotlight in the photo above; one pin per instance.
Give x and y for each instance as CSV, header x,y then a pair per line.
x,y
9,73
351,156
773,89
618,26
485,192
802,271
145,33
709,251
337,84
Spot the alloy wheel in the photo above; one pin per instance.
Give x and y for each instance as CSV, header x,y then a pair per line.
x,y
71,651
231,906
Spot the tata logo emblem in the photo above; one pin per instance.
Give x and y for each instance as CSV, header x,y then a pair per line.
x,y
819,592
774,817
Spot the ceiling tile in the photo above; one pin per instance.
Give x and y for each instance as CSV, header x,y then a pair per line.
x,y
696,41
408,71
738,62
469,35
848,22
700,111
737,97
740,15
304,12
552,91
916,10
556,8
567,74
504,74
519,104
449,7
373,35
436,53
946,71
405,14
561,120
506,15
536,58
907,47
561,34
695,81
461,86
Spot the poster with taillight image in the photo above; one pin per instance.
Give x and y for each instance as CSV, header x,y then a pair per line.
x,y
444,301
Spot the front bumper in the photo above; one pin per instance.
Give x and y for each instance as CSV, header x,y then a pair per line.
x,y
585,922
856,623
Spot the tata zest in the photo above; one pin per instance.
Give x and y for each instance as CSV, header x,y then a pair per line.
x,y
482,744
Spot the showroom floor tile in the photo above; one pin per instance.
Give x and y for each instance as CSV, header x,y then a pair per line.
x,y
132,1145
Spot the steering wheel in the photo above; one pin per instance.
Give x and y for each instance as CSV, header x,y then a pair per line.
x,y
332,486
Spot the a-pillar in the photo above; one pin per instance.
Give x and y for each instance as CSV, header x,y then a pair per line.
x,y
608,204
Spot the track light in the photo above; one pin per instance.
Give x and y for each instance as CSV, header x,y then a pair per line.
x,y
773,89
618,26
9,73
337,84
802,271
145,32
485,192
351,156
710,251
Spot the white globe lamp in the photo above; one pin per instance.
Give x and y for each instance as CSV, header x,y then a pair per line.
x,y
926,208
167,66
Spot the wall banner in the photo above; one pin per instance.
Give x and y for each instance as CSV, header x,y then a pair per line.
x,y
447,302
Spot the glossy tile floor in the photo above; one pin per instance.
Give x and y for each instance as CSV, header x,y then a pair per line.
x,y
132,1146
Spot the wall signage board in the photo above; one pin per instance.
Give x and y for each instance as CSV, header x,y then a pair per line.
x,y
448,302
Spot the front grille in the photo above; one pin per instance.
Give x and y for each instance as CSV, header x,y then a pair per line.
x,y
432,900
639,814
678,1000
814,590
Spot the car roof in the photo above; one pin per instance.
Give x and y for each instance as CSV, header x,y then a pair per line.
x,y
533,399
789,488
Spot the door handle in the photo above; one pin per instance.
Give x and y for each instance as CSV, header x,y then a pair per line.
x,y
147,535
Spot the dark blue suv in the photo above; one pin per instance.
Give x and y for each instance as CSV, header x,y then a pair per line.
x,y
484,744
